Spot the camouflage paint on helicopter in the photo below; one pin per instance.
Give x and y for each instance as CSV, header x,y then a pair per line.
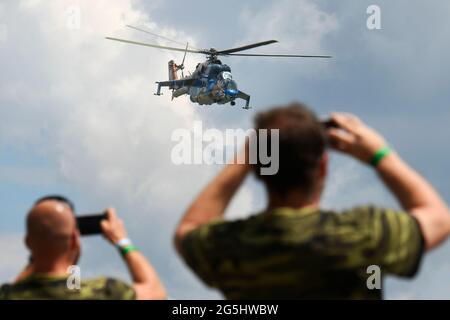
x,y
211,82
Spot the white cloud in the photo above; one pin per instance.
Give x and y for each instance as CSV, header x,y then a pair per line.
x,y
407,54
3,34
87,104
300,24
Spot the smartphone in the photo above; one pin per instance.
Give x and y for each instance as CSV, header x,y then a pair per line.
x,y
90,224
329,123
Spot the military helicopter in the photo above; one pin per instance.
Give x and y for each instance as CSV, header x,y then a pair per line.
x,y
212,81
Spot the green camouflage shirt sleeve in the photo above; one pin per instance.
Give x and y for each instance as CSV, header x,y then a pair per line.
x,y
388,238
194,246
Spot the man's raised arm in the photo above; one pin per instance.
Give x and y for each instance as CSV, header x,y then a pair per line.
x,y
414,193
212,201
146,283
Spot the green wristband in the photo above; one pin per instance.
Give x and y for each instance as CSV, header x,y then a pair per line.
x,y
127,249
379,155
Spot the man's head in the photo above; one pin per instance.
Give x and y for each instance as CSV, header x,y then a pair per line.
x,y
302,144
52,233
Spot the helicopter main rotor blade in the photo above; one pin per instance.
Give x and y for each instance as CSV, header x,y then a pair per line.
x,y
184,57
250,46
274,55
154,45
159,36
181,66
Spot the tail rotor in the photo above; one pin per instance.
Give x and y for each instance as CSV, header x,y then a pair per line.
x,y
181,66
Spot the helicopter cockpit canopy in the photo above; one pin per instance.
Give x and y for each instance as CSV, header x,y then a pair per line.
x,y
228,84
231,85
214,70
226,75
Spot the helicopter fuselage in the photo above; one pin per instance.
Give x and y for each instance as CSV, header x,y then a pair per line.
x,y
214,83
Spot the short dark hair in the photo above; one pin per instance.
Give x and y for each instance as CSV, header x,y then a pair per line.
x,y
302,143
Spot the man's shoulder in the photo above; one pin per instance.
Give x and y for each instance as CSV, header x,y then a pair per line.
x,y
101,288
4,288
285,220
106,288
364,219
35,289
278,217
222,225
370,214
310,221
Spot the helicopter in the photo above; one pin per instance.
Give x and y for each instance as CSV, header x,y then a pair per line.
x,y
211,82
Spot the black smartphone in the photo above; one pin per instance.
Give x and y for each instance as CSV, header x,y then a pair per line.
x,y
329,123
90,224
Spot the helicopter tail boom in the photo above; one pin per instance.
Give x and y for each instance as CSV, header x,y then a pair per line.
x,y
172,70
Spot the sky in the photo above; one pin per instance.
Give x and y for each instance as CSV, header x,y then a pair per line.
x,y
78,115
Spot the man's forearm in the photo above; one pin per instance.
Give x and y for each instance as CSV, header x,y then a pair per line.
x,y
146,283
141,271
411,189
144,275
416,196
213,200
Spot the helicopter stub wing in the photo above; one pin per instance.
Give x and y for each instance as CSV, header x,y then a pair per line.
x,y
177,84
246,97
174,84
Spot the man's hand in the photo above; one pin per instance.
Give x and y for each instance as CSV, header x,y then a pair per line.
x,y
414,193
113,228
354,137
146,283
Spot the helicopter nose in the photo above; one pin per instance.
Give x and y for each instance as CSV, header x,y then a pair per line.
x,y
231,92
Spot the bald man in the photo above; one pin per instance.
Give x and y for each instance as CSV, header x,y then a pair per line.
x,y
53,240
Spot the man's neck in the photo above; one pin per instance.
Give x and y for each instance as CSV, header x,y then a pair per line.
x,y
44,267
295,199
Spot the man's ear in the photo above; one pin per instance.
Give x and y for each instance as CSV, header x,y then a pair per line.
x,y
27,242
323,166
75,242
74,247
77,238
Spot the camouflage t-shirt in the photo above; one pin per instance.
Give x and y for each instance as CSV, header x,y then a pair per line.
x,y
305,253
41,287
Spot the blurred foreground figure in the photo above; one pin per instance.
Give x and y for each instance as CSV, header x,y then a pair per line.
x,y
296,249
53,239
